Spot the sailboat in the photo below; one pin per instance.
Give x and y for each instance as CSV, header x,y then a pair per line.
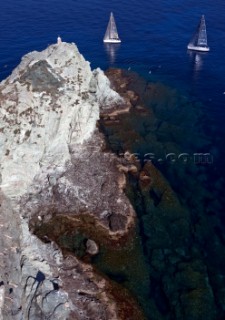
x,y
111,35
199,40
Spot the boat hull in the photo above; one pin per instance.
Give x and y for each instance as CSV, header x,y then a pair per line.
x,y
112,40
197,48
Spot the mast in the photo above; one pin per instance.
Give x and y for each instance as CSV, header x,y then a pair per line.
x,y
113,29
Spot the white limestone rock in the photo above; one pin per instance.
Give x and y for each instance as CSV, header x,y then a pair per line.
x,y
106,96
2,296
47,104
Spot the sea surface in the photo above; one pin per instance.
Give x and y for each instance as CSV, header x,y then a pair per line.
x,y
154,38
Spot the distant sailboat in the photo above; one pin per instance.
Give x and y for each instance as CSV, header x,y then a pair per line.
x,y
111,35
199,40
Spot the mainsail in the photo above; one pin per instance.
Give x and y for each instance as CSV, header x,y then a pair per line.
x,y
199,40
111,34
202,35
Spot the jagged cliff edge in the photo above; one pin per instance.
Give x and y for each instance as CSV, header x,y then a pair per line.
x,y
52,165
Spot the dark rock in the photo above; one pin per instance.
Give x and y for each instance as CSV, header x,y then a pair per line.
x,y
117,222
40,77
40,276
55,285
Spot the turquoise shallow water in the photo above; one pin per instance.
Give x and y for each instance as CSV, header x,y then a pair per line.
x,y
154,38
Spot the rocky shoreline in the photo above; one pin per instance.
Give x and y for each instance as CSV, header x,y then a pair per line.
x,y
181,232
72,246
57,179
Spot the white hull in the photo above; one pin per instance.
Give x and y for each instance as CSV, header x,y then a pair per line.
x,y
196,48
112,41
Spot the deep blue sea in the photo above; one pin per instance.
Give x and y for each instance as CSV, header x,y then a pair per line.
x,y
154,38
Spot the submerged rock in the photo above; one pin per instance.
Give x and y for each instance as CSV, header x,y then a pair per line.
x,y
92,247
183,246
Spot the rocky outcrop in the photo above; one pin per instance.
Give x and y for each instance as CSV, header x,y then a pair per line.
x,y
55,174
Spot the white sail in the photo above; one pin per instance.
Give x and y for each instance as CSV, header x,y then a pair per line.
x,y
202,35
111,35
199,40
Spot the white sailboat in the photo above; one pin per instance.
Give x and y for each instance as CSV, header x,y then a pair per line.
x,y
199,40
111,35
